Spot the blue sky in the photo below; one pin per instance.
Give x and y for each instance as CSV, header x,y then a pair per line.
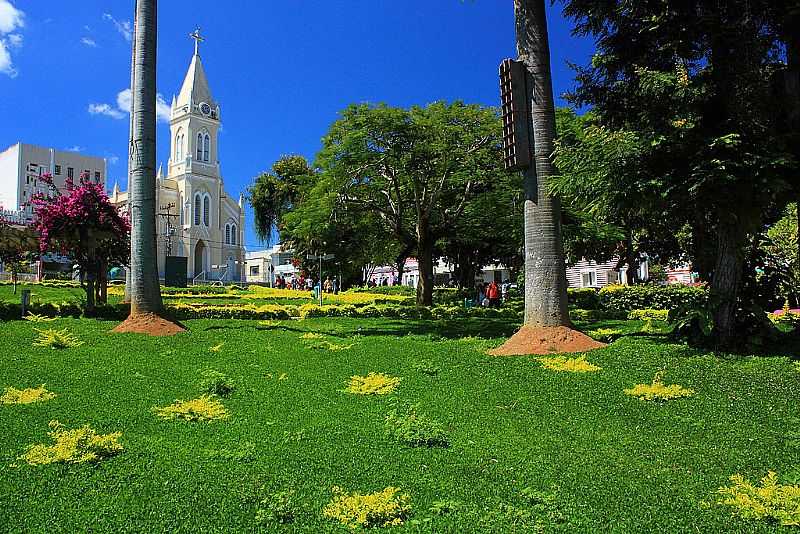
x,y
281,70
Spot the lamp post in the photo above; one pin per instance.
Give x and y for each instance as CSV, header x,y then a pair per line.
x,y
321,257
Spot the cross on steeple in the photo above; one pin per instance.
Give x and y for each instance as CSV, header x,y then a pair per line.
x,y
197,40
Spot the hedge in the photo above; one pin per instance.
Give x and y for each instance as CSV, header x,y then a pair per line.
x,y
12,311
583,298
651,296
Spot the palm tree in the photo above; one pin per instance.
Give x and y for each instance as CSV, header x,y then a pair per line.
x,y
545,270
145,293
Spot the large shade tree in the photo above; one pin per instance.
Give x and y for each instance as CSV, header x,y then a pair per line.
x,y
18,247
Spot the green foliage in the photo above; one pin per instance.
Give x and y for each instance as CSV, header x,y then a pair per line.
x,y
651,314
782,253
651,296
279,508
213,382
415,429
585,298
606,335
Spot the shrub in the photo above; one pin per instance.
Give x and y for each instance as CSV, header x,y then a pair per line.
x,y
769,501
373,384
657,391
585,298
36,318
570,365
204,408
585,315
605,335
278,508
215,383
387,508
57,339
26,396
415,429
653,315
73,446
651,296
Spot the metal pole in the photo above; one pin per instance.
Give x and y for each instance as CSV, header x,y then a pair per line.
x,y
320,278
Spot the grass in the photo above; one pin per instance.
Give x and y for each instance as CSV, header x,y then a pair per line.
x,y
593,458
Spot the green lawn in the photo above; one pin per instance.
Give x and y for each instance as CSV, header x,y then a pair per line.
x,y
610,462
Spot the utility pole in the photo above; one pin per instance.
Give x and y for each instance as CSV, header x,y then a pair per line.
x,y
165,214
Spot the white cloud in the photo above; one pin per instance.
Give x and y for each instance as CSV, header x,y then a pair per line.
x,y
11,19
163,109
123,108
88,41
123,26
107,110
113,160
75,148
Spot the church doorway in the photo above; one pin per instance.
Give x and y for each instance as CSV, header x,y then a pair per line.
x,y
200,259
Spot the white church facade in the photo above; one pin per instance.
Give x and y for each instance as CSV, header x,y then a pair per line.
x,y
197,219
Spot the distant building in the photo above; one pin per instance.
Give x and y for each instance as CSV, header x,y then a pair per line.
x,y
263,266
197,218
22,167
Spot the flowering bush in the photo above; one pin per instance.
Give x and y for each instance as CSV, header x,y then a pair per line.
x,y
651,296
769,501
26,396
204,408
606,335
570,365
373,384
654,315
73,446
387,508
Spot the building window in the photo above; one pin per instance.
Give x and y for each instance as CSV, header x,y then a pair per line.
x,y
207,148
58,170
197,209
206,210
233,234
179,146
254,270
589,279
97,176
199,147
227,234
70,173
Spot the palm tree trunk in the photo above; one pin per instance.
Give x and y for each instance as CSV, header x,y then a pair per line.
x,y
127,298
145,290
425,243
545,270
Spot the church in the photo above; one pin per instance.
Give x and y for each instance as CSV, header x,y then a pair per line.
x,y
197,219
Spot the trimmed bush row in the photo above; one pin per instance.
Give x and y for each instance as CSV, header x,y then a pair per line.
x,y
640,297
12,311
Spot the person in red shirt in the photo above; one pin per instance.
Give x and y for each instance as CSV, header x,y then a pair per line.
x,y
493,294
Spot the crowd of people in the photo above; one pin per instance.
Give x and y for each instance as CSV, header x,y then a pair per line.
x,y
490,294
301,283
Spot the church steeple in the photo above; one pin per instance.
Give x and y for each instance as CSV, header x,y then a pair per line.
x,y
195,89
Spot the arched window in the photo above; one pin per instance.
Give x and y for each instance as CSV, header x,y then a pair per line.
x,y
179,145
206,210
198,207
199,147
207,148
233,234
227,234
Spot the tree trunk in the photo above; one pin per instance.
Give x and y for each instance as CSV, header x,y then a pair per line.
x,y
127,297
545,269
145,291
14,279
725,282
425,244
633,264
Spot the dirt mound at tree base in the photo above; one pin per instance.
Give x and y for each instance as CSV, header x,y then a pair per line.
x,y
546,340
150,324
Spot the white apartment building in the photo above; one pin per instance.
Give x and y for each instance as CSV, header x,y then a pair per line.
x,y
22,167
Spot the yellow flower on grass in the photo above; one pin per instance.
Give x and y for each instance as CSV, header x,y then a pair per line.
x,y
312,335
36,318
216,348
657,391
73,446
204,408
26,396
570,365
769,501
387,508
57,339
373,384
